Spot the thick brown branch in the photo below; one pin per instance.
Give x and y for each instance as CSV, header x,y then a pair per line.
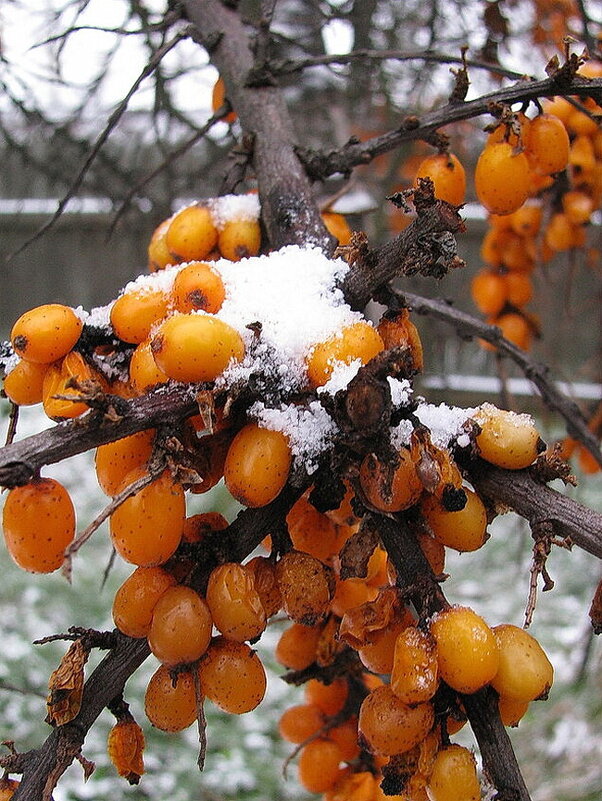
x,y
538,503
415,578
468,326
321,165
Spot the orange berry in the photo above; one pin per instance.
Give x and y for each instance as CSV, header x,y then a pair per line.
x,y
144,372
38,521
232,676
197,286
515,329
454,776
239,239
115,460
134,313
158,252
46,333
234,602
511,711
263,571
447,174
378,655
257,465
345,736
306,586
357,341
525,672
181,625
337,225
146,529
388,726
578,207
197,527
390,490
170,704
299,722
136,598
297,647
415,674
464,529
350,593
218,97
519,288
507,439
400,331
547,144
7,787
330,698
195,347
467,650
502,178
312,531
319,765
191,233
488,290
24,384
526,221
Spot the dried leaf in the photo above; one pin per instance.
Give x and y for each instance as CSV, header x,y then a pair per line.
x,y
359,623
66,685
328,643
356,552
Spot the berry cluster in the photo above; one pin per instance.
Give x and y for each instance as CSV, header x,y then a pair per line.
x,y
310,406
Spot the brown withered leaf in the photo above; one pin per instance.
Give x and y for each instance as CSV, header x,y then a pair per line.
x,y
360,622
328,643
66,685
356,552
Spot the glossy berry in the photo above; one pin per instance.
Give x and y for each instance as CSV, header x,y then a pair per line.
x,y
488,290
195,347
146,529
502,178
319,765
59,393
181,625
191,234
25,382
198,287
134,313
263,571
447,174
299,722
218,97
158,252
136,598
378,654
144,371
38,521
357,341
467,650
46,333
170,704
232,676
257,465
338,226
297,647
397,330
454,776
525,673
239,239
511,711
507,439
547,144
463,530
330,698
115,460
234,602
388,726
415,673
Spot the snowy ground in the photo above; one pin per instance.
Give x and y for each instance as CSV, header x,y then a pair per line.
x,y
559,742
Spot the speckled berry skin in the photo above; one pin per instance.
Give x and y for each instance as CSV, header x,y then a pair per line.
x,y
46,333
232,676
38,521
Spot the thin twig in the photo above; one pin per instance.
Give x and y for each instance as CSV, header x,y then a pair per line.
x,y
109,127
13,420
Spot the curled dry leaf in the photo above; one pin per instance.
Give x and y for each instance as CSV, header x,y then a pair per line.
x,y
356,552
361,621
66,685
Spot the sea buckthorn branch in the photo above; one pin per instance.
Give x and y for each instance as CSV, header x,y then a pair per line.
x,y
289,210
418,583
41,768
321,165
468,326
539,503
289,67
